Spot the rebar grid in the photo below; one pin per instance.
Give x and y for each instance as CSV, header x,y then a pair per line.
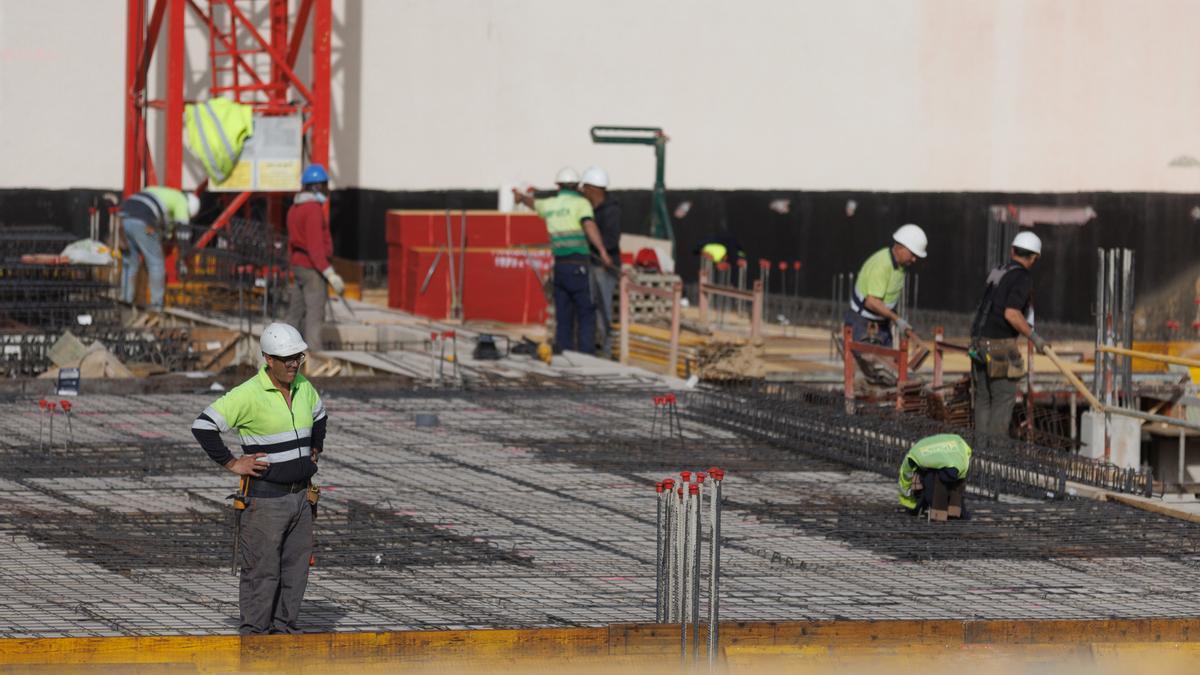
x,y
872,438
528,507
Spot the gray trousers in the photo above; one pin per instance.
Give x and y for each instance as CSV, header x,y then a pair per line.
x,y
276,543
604,283
306,305
994,398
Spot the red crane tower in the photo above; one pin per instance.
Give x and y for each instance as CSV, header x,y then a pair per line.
x,y
239,60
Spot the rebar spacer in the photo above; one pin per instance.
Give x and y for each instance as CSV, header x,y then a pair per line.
x,y
686,476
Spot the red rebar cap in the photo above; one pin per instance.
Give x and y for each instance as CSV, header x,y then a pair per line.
x,y
1196,324
433,335
741,262
658,487
42,404
66,405
1173,325
700,477
680,490
693,489
796,265
783,265
669,398
51,405
448,334
686,476
763,262
668,483
722,265
717,474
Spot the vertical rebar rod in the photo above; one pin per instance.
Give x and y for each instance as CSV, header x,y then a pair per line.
x,y
1127,319
658,552
714,571
1182,453
681,588
698,502
1099,360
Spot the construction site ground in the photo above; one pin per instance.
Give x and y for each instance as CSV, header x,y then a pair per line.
x,y
529,507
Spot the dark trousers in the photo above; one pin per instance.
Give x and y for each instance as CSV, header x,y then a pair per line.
x,y
573,308
994,399
276,544
866,330
306,305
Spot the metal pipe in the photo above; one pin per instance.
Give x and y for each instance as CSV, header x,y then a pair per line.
x,y
658,552
1162,419
1161,358
450,262
1182,453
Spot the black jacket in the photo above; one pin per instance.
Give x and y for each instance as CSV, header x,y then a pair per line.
x,y
608,221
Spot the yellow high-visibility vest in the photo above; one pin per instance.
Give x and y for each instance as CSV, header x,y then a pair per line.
x,y
216,132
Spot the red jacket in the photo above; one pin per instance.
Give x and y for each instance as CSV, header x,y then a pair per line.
x,y
308,231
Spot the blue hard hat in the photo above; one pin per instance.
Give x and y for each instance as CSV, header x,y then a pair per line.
x,y
314,173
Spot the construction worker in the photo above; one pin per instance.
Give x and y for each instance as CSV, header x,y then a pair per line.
x,y
310,247
1004,314
607,210
933,476
879,284
281,421
148,217
571,224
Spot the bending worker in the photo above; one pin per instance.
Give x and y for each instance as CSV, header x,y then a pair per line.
x,y
310,247
148,217
281,421
1004,314
879,284
571,224
933,477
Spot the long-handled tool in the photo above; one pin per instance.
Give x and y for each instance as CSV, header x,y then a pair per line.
x,y
240,500
1073,379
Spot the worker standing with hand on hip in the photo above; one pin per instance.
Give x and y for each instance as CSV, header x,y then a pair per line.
x,y
310,247
1004,315
281,421
879,284
571,224
147,218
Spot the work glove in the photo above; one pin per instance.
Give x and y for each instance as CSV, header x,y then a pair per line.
x,y
1039,342
335,280
903,326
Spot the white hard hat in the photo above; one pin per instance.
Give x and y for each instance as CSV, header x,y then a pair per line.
x,y
193,204
281,339
1028,241
567,175
913,238
594,175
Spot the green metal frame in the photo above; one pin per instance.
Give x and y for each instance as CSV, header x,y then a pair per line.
x,y
660,218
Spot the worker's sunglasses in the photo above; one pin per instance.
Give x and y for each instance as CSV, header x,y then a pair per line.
x,y
293,360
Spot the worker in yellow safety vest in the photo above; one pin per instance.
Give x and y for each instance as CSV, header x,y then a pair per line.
x,y
147,218
878,286
933,477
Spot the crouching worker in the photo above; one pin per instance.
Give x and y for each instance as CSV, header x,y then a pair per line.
x,y
933,477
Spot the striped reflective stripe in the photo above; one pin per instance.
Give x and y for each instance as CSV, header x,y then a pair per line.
x,y
218,419
272,439
856,304
286,455
318,411
212,162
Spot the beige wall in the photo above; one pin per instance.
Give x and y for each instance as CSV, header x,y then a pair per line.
x,y
1006,95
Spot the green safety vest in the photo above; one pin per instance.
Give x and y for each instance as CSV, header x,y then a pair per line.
x,y
942,451
257,410
715,251
216,132
564,214
173,205
881,278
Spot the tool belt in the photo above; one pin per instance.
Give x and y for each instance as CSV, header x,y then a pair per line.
x,y
1001,358
266,488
